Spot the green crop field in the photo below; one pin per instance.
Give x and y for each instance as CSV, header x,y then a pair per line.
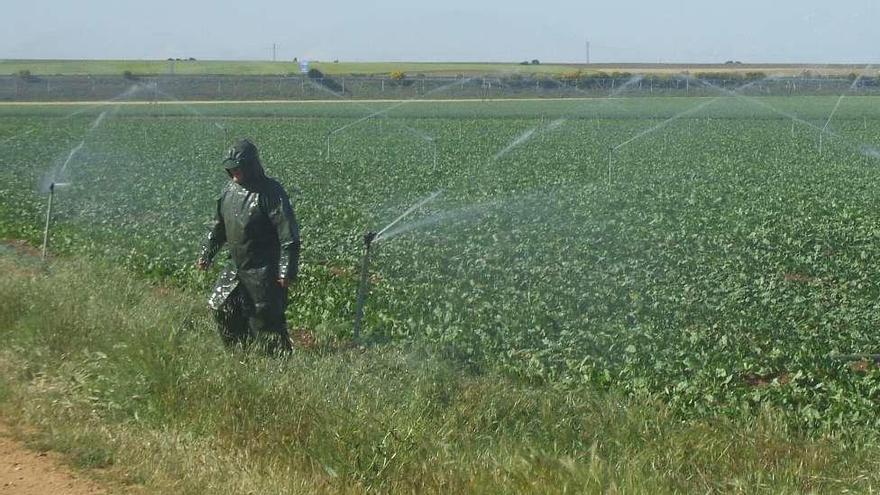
x,y
710,252
605,294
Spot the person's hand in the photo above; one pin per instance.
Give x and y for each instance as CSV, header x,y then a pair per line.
x,y
283,282
203,264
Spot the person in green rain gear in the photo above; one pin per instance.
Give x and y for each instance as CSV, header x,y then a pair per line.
x,y
255,219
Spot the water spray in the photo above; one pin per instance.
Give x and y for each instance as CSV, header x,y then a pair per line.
x,y
523,138
29,131
377,113
364,285
70,155
793,116
852,87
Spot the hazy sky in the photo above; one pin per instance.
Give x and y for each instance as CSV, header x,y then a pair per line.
x,y
841,31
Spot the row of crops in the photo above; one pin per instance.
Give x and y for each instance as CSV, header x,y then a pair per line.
x,y
715,258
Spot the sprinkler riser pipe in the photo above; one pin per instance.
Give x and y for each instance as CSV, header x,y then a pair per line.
x,y
48,218
363,286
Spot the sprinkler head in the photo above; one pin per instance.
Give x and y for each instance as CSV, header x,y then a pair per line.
x,y
369,237
52,187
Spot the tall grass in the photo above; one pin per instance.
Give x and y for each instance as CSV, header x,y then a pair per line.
x,y
130,377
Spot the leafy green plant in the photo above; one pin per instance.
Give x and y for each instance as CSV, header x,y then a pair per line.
x,y
723,263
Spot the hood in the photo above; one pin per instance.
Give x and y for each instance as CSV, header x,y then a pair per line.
x,y
244,155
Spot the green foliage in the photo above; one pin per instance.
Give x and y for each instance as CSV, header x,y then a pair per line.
x,y
129,377
717,271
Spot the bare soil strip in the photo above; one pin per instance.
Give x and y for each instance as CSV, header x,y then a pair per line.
x,y
25,472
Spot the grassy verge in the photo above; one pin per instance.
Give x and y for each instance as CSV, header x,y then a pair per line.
x,y
129,377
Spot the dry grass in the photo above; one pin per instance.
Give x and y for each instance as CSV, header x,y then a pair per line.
x,y
133,385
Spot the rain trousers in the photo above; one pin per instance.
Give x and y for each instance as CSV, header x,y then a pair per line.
x,y
255,219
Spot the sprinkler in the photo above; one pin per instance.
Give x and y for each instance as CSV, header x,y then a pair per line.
x,y
52,188
369,238
48,217
363,287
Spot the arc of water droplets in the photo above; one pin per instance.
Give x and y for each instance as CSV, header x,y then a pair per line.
x,y
626,85
863,149
125,94
396,105
527,135
758,102
78,147
680,115
467,212
840,99
189,108
70,155
20,134
421,135
408,212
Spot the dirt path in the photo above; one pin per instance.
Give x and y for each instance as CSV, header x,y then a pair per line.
x,y
25,472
